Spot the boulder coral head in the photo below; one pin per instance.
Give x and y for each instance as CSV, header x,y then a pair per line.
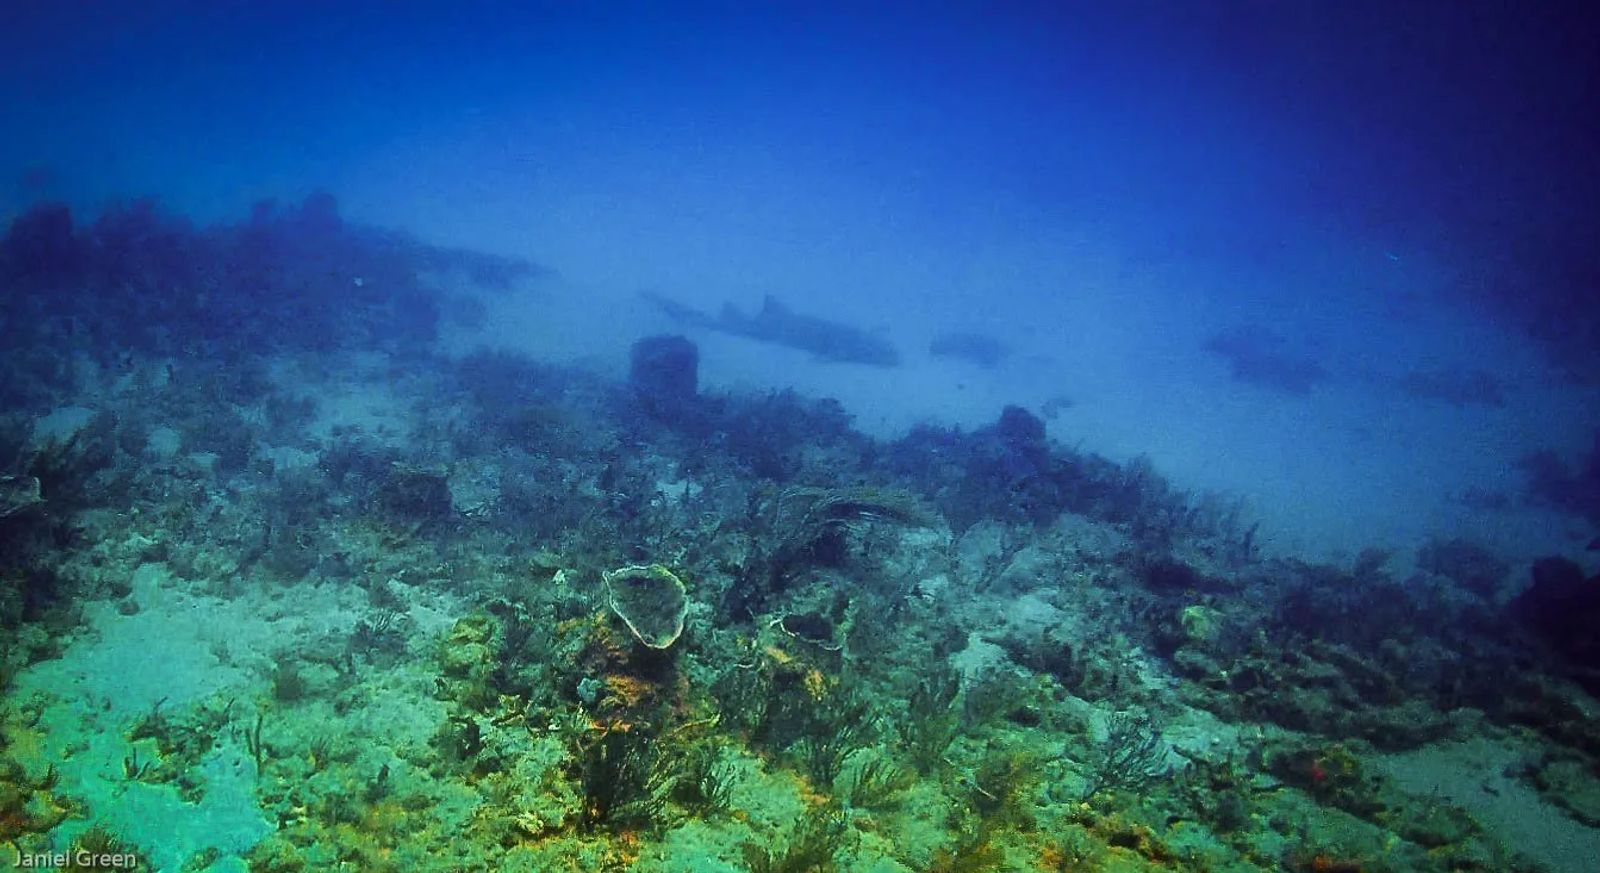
x,y
651,601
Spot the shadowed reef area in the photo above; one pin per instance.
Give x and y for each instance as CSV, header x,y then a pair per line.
x,y
286,586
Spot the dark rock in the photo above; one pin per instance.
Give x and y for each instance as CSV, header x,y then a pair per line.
x,y
41,243
1573,489
809,626
1020,429
665,372
1562,609
1470,565
1170,575
417,494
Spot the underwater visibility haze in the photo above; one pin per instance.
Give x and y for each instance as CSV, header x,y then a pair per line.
x,y
800,437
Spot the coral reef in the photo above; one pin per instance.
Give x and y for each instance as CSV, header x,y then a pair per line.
x,y
296,590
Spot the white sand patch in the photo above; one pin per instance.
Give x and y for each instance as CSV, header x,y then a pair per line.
x,y
61,424
288,458
370,409
356,392
180,648
1472,774
163,442
121,668
169,830
123,664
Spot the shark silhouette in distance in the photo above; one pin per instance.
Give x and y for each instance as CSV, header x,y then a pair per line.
x,y
779,325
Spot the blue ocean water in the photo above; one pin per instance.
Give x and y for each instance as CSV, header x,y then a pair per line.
x,y
799,437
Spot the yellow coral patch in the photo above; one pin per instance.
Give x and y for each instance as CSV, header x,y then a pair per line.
x,y
816,684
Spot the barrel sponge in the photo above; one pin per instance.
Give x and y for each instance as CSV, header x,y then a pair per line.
x,y
665,369
651,601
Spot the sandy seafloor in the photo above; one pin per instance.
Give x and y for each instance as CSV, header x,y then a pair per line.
x,y
380,636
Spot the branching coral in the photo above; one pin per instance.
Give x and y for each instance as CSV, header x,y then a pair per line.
x,y
932,721
705,781
875,780
811,848
1132,756
624,781
805,516
808,526
830,730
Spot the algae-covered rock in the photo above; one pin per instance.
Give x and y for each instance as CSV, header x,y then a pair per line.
x,y
466,661
1571,785
415,493
466,648
1201,625
651,601
1431,824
